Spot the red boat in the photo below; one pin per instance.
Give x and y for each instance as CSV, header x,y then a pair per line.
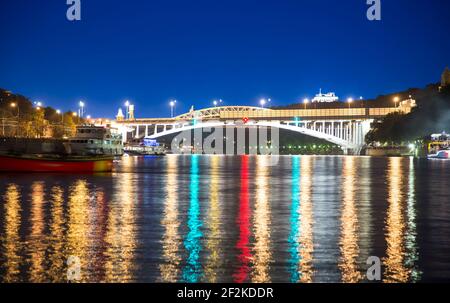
x,y
69,164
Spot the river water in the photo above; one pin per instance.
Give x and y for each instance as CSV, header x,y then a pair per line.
x,y
230,219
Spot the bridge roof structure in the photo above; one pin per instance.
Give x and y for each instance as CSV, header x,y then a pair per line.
x,y
259,113
217,112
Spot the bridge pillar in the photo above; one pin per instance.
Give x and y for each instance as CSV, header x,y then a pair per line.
x,y
124,134
137,132
146,130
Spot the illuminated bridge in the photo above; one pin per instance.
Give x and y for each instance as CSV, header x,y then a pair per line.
x,y
346,127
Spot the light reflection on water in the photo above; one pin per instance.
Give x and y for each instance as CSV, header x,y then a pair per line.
x,y
193,270
348,243
223,219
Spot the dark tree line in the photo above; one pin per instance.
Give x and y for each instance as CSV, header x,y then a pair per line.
x,y
432,115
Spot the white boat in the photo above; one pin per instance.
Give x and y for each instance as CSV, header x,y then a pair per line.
x,y
146,147
95,140
443,154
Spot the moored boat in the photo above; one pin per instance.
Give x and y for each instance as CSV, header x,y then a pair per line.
x,y
443,154
48,163
93,149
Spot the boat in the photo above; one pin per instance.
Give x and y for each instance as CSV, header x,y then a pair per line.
x,y
91,140
145,148
49,163
92,149
443,154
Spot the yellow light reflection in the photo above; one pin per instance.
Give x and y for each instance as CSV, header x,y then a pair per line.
x,y
212,244
121,232
170,269
261,221
11,243
78,224
348,243
411,233
395,271
56,271
306,220
98,210
36,242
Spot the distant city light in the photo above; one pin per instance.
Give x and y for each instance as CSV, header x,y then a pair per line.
x,y
58,111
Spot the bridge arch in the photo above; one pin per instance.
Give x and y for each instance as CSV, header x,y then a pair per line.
x,y
214,112
297,129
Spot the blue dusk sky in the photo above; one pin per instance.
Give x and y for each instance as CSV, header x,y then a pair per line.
x,y
150,51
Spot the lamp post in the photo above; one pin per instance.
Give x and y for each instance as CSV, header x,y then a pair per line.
x,y
76,116
14,105
396,99
215,102
81,110
172,104
349,101
62,116
263,102
305,102
127,114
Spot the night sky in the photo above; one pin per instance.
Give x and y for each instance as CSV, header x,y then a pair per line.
x,y
149,51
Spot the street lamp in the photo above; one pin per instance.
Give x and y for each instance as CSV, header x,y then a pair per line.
x,y
59,112
349,101
215,102
396,99
75,115
127,105
81,110
305,102
263,102
172,104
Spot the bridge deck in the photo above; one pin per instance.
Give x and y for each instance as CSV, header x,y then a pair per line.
x,y
280,114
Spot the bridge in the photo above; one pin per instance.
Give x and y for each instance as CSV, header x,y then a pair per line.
x,y
346,127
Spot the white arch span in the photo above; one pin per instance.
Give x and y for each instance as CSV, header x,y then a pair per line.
x,y
303,130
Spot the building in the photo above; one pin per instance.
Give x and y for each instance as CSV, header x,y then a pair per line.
x,y
120,116
445,79
330,97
